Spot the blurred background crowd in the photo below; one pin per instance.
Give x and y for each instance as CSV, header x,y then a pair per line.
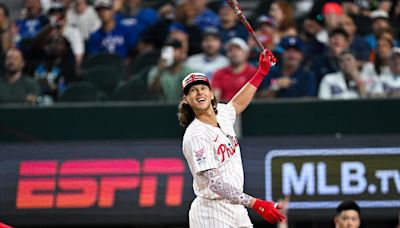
x,y
127,50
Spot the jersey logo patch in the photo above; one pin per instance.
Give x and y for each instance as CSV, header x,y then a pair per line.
x,y
200,155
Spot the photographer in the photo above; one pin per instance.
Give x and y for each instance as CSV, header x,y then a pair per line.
x,y
164,80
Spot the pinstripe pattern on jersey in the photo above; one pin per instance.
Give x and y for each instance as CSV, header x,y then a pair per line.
x,y
217,214
200,147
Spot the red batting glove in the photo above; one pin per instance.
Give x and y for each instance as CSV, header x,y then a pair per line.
x,y
265,61
268,210
2,225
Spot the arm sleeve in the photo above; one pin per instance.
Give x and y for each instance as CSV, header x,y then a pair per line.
x,y
219,186
200,153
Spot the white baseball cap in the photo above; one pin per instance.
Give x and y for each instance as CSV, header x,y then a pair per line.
x,y
239,42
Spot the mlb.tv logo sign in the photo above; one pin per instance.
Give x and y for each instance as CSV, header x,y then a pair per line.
x,y
322,178
46,184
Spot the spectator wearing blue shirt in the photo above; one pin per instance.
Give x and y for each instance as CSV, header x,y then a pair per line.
x,y
135,15
230,26
312,25
290,79
205,17
112,37
32,22
185,14
357,43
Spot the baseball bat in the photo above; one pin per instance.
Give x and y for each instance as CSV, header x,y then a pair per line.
x,y
234,4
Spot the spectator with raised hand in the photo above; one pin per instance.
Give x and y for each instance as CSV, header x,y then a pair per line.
x,y
348,83
32,21
230,25
357,43
289,79
83,17
205,16
328,62
164,80
228,80
211,58
283,14
111,37
16,87
5,33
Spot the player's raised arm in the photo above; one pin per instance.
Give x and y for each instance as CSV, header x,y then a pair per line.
x,y
243,98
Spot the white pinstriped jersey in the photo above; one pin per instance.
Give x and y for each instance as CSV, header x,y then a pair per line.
x,y
206,147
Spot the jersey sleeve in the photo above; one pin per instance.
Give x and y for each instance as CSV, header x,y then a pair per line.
x,y
200,154
227,112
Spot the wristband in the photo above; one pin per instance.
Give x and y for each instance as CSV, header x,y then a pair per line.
x,y
257,78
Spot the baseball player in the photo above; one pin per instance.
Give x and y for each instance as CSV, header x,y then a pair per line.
x,y
212,151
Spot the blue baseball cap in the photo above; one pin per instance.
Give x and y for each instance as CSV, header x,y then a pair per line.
x,y
292,42
176,26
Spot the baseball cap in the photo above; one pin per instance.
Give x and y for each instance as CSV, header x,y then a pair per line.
x,y
102,4
56,7
263,19
332,7
211,31
396,51
239,42
194,79
176,26
379,14
291,42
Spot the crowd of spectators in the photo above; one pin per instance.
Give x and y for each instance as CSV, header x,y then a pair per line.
x,y
345,49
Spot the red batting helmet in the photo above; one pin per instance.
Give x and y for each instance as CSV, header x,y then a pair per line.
x,y
194,79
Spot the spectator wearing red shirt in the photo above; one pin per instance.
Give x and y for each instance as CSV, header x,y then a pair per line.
x,y
227,81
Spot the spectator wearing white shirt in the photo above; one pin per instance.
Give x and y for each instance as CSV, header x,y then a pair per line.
x,y
211,58
84,17
57,16
391,83
375,72
347,83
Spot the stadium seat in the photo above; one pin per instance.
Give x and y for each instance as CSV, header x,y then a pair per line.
x,y
103,77
141,75
81,92
144,60
105,59
133,90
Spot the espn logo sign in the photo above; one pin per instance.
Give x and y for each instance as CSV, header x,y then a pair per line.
x,y
87,183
